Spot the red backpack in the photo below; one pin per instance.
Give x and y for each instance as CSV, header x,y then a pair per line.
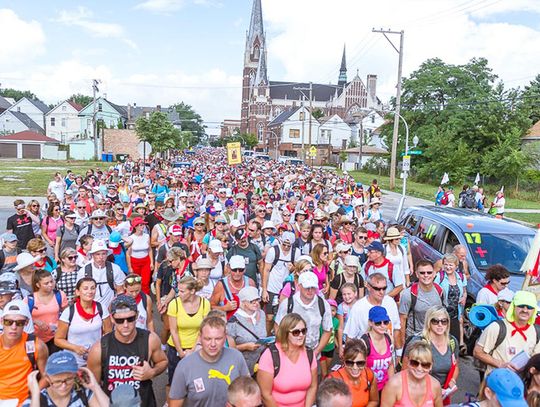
x,y
414,299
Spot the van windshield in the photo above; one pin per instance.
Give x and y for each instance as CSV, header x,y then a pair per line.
x,y
507,249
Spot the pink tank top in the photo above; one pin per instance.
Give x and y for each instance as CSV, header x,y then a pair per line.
x,y
321,275
406,399
379,363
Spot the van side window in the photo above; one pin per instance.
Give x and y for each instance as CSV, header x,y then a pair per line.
x,y
428,230
449,242
411,223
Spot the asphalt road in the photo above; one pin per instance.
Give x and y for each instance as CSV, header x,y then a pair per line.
x,y
468,381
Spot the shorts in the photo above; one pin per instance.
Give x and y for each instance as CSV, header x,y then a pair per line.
x,y
173,359
270,308
327,355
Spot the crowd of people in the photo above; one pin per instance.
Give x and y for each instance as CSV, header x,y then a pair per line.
x,y
256,284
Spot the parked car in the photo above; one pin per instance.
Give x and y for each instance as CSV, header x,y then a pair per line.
x,y
259,156
290,160
248,153
434,231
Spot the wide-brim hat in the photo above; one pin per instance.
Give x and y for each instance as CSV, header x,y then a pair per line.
x,y
99,245
25,259
392,233
375,201
171,215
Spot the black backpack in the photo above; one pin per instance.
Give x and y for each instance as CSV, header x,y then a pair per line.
x,y
109,270
366,339
89,230
469,199
99,308
277,255
276,359
320,301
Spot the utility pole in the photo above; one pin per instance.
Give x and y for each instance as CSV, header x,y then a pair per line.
x,y
95,89
393,158
310,111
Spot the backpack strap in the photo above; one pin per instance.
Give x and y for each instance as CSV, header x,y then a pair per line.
x,y
414,299
2,259
144,300
58,273
31,346
322,309
500,336
310,355
49,261
367,342
105,345
89,230
143,346
110,277
58,296
277,254
290,303
31,303
226,290
88,270
71,313
274,352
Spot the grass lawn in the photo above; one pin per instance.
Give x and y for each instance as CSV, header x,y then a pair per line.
x,y
532,218
427,191
31,177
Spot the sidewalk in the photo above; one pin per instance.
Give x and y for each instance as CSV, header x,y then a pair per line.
x,y
6,202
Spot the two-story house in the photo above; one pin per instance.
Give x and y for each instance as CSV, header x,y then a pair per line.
x,y
107,113
33,108
62,122
15,122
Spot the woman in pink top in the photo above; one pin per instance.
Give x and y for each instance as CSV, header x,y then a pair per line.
x,y
50,224
414,387
295,384
379,346
320,254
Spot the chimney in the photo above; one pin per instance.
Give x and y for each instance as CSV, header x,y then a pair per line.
x,y
134,104
158,108
104,96
129,112
372,86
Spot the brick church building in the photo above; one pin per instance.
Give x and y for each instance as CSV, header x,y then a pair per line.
x,y
263,100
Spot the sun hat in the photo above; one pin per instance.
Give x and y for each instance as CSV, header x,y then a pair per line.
x,y
308,279
123,303
306,258
98,245
375,201
220,219
203,263
351,260
288,237
170,215
25,259
376,245
98,213
17,307
137,222
235,223
248,293
199,221
241,195
237,262
378,314
61,362
215,246
114,239
268,224
507,386
392,233
342,247
125,395
522,298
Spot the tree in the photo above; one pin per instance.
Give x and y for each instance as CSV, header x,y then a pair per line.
x,y
17,94
317,113
190,121
531,100
81,99
159,132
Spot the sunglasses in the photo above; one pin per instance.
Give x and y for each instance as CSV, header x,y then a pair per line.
x,y
324,253
287,215
35,206
237,270
525,306
133,280
379,288
352,363
361,237
120,321
415,363
190,207
425,273
71,258
379,323
298,332
504,282
41,251
10,322
81,207
442,322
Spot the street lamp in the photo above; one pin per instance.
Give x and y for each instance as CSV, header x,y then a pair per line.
x,y
276,138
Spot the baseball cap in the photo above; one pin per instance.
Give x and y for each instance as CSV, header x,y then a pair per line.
x,y
98,245
203,263
506,295
507,386
240,234
17,307
98,213
376,245
343,247
333,303
215,246
229,202
378,314
288,237
123,303
114,239
8,284
237,262
308,280
220,219
248,294
61,362
175,230
351,260
9,237
235,223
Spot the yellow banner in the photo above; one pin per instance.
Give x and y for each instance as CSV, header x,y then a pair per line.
x,y
234,154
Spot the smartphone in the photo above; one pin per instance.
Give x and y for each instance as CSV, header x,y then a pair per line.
x,y
83,377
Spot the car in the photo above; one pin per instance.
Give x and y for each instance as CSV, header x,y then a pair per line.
x,y
248,153
290,160
181,164
435,231
259,156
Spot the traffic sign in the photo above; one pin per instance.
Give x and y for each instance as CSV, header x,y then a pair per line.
x,y
406,165
413,152
313,151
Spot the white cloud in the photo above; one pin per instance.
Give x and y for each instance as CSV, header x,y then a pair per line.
x,y
83,17
161,6
22,40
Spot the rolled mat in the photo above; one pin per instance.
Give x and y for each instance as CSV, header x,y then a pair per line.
x,y
482,315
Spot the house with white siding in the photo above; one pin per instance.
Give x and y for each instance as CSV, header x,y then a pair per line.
x,y
63,122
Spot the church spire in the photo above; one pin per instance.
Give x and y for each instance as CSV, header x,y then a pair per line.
x,y
256,28
343,69
261,77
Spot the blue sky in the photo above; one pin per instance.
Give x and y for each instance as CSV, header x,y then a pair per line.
x,y
163,51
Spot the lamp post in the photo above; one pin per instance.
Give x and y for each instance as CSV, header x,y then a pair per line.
x,y
276,139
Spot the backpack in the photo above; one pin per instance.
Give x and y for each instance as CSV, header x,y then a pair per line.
x,y
99,308
276,359
444,198
414,299
109,270
458,272
469,199
452,344
32,301
89,231
320,300
366,339
63,230
369,263
277,255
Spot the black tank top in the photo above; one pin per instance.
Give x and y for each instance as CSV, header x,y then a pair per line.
x,y
117,359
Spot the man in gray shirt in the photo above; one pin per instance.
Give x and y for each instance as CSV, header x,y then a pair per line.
x,y
313,308
202,378
412,312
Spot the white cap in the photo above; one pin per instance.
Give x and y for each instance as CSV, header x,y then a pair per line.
x,y
215,246
25,259
222,190
307,258
308,279
98,213
237,262
248,293
288,237
351,260
98,245
342,247
17,307
217,207
505,294
235,223
182,194
268,224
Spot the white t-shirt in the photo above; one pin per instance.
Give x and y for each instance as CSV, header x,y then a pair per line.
x,y
142,318
81,332
104,293
485,296
280,271
141,246
207,290
357,322
57,188
399,260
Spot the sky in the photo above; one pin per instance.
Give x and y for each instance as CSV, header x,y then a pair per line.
x,y
152,52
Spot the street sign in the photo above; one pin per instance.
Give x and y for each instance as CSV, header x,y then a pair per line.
x,y
406,165
313,152
413,152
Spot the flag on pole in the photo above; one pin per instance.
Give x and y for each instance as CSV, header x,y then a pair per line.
x,y
531,264
502,189
445,179
477,179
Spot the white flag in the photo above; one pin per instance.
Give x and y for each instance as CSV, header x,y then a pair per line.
x,y
445,179
477,179
502,189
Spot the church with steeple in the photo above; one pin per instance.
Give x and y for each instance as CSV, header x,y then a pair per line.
x,y
263,100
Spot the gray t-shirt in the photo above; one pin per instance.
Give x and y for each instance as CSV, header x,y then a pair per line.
x,y
312,316
252,255
425,300
280,271
200,383
241,335
441,362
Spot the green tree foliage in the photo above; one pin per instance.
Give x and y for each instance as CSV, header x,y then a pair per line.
x,y
317,113
159,132
464,118
246,140
81,99
190,120
17,94
531,100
